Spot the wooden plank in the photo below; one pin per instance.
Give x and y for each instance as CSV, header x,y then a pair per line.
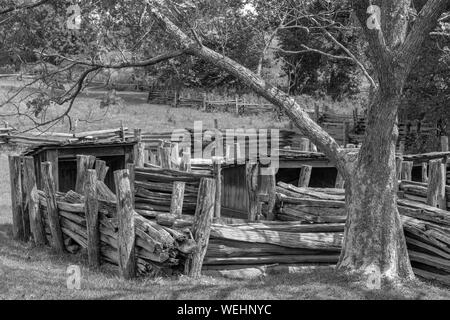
x,y
52,207
31,205
164,156
126,234
217,169
202,225
132,177
425,172
407,170
84,163
251,178
436,184
305,176
101,169
92,219
15,176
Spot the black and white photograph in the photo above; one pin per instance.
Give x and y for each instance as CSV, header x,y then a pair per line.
x,y
225,155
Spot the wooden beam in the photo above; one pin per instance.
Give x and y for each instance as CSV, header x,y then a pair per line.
x,y
398,167
31,205
407,167
425,172
92,219
202,225
305,176
126,234
15,177
436,184
164,156
444,143
176,203
52,207
101,169
84,163
132,174
251,178
52,156
217,170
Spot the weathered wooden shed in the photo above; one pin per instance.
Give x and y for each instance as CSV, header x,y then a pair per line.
x,y
235,198
64,159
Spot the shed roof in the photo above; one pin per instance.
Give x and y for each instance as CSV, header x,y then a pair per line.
x,y
74,145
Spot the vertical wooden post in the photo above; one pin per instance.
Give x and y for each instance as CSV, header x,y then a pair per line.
x,y
444,143
139,149
305,176
101,169
175,99
402,147
130,168
442,196
126,234
32,202
444,148
251,177
239,158
271,185
152,157
425,172
316,112
175,156
122,131
216,124
164,155
304,144
217,169
52,156
52,207
92,220
345,133
16,198
202,225
204,104
84,163
340,182
176,203
398,167
407,167
436,184
237,106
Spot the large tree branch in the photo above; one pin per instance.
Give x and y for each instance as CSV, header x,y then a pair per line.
x,y
23,6
375,37
425,23
126,64
301,118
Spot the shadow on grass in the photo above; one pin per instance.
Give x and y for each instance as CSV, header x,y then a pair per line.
x,y
29,272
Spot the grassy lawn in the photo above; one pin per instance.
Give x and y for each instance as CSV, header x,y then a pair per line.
x,y
32,273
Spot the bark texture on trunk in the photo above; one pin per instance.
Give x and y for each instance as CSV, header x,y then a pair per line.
x,y
374,241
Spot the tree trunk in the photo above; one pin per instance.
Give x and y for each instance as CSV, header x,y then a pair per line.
x,y
374,242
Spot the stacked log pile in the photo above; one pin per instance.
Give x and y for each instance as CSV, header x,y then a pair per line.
x,y
154,186
246,245
427,228
159,250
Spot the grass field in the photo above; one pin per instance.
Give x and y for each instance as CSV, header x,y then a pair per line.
x,y
35,273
